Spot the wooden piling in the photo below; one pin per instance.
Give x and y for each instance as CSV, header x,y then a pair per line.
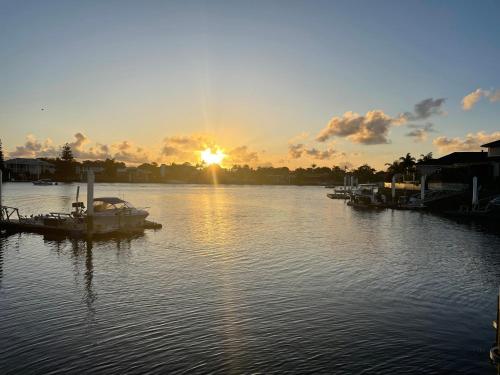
x,y
90,203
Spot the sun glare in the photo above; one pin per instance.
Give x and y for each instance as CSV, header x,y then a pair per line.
x,y
210,157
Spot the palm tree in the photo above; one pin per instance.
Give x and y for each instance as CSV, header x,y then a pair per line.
x,y
407,163
425,157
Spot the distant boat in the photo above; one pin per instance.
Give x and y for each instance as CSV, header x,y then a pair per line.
x,y
366,196
44,182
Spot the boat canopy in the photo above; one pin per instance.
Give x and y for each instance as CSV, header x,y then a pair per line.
x,y
110,200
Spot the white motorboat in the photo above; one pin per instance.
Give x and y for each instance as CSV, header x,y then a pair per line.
x,y
44,182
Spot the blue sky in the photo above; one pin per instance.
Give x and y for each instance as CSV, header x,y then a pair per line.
x,y
260,75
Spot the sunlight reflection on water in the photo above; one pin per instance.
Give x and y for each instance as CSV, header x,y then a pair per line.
x,y
248,279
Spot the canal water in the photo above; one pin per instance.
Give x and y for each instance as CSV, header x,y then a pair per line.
x,y
245,279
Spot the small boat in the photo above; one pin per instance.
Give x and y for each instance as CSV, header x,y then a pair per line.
x,y
44,182
106,215
490,211
340,192
366,196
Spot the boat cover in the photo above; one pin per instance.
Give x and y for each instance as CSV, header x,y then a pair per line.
x,y
110,200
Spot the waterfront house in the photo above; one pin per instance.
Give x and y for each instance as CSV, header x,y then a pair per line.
x,y
455,171
28,169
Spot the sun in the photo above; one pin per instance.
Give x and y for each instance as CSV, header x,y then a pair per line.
x,y
209,157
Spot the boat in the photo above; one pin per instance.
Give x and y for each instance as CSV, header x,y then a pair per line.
x,y
490,211
367,196
44,182
105,215
340,192
114,214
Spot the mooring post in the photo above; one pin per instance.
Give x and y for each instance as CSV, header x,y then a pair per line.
x,y
422,187
475,197
90,202
393,188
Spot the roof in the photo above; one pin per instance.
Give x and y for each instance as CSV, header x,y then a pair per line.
x,y
458,158
492,144
28,161
110,200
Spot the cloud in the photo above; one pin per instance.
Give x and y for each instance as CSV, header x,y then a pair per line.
x,y
369,129
470,100
471,142
123,151
126,152
425,109
296,151
320,155
420,132
242,155
183,148
187,147
34,148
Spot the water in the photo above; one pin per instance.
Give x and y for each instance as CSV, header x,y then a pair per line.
x,y
248,280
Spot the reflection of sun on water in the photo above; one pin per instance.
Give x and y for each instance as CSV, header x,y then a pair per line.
x,y
209,157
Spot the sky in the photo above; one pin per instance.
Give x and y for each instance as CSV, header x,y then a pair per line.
x,y
282,83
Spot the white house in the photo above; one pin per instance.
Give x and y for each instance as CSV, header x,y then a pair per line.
x,y
28,168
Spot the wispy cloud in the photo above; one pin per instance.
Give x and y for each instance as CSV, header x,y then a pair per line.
x,y
425,109
471,99
296,151
419,133
471,142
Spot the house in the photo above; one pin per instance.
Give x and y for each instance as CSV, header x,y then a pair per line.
x,y
82,170
133,174
455,171
25,168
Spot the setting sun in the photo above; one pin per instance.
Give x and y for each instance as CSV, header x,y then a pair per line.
x,y
209,157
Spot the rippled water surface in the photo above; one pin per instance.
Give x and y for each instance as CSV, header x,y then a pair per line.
x,y
248,280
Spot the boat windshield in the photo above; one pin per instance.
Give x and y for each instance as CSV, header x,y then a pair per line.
x,y
100,206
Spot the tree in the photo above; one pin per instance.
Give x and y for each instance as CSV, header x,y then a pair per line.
x,y
67,153
407,163
426,157
364,173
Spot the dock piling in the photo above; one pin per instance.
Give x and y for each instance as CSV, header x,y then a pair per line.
x,y
475,197
422,187
90,202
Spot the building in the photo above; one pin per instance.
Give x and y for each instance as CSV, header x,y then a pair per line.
x,y
133,174
28,169
82,170
457,169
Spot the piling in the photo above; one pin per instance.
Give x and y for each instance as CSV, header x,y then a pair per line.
x,y
475,196
422,187
393,188
90,202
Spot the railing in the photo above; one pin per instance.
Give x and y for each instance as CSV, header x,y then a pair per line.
x,y
6,213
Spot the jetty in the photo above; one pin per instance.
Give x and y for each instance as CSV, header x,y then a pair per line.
x,y
101,216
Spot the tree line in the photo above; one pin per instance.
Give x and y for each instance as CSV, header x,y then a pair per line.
x,y
67,168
